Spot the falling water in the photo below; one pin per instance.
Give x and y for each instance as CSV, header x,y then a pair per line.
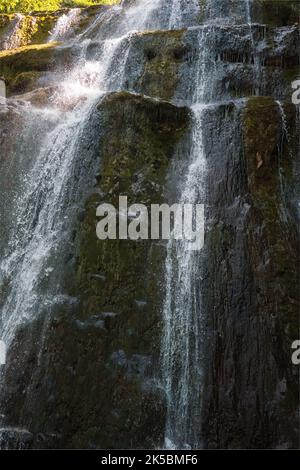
x,y
284,136
256,58
64,24
285,132
43,212
182,311
177,12
248,12
181,355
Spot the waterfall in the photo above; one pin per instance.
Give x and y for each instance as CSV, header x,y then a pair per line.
x,y
177,12
168,79
43,212
256,57
248,12
64,24
181,356
285,132
284,136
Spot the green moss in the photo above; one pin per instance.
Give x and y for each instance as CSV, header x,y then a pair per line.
x,y
26,49
164,52
24,82
87,3
44,25
138,136
202,4
261,130
29,59
137,147
289,75
261,133
32,29
35,28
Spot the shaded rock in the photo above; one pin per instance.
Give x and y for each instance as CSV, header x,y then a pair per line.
x,y
86,382
14,438
32,60
252,254
276,13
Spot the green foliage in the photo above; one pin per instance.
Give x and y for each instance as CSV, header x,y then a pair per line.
x,y
26,6
86,3
7,6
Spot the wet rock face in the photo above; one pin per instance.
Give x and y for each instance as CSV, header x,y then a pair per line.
x,y
14,438
160,56
279,13
252,256
103,343
25,69
17,30
272,12
29,47
264,62
82,374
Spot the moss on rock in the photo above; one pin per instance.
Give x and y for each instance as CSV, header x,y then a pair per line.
x,y
103,345
24,65
140,137
23,82
164,52
32,29
122,276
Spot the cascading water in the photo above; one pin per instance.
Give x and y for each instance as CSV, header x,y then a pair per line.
x,y
191,9
256,57
41,211
248,12
64,24
181,355
285,132
44,212
183,318
182,313
284,136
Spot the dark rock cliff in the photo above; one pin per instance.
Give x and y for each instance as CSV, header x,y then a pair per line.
x,y
251,284
253,253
